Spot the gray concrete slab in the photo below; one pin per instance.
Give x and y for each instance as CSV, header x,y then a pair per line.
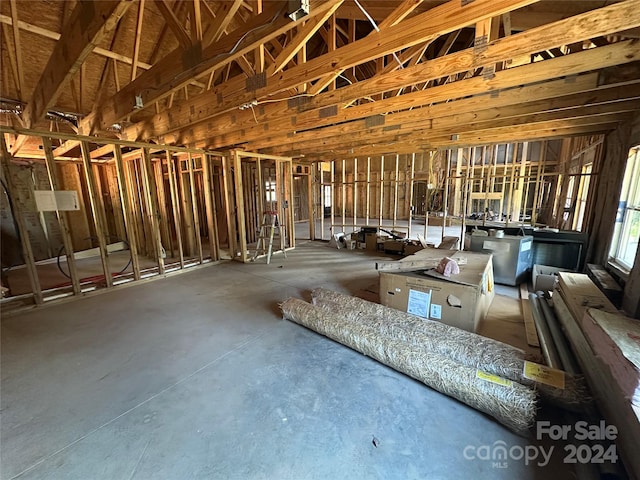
x,y
196,376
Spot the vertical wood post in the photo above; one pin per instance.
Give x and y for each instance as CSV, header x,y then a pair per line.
x,y
27,251
236,160
152,201
194,208
63,219
212,221
175,205
129,220
97,214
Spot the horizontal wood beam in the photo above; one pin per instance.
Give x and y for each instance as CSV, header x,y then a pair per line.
x,y
454,125
100,141
174,24
178,68
506,135
580,27
419,29
498,113
89,22
574,64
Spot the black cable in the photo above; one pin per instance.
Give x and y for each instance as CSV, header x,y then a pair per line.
x,y
63,250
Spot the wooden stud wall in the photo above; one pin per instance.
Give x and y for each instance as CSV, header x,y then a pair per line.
x,y
440,188
152,199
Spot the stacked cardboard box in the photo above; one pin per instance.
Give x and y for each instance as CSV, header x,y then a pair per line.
x,y
461,300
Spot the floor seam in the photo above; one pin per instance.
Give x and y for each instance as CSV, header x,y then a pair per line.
x,y
152,397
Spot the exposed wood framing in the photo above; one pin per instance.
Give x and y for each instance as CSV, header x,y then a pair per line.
x,y
127,206
63,218
88,24
27,251
98,213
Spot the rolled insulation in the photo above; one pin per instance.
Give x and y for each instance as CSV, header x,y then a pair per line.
x,y
510,403
464,347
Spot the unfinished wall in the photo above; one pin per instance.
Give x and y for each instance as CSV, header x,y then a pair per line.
x,y
631,299
605,194
43,228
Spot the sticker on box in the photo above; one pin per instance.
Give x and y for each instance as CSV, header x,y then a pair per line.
x,y
436,311
418,303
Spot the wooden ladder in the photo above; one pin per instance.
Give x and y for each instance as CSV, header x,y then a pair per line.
x,y
268,229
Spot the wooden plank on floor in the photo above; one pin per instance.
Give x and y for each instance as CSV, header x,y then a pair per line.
x,y
529,324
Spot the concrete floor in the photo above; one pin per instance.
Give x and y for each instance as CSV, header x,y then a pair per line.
x,y
197,376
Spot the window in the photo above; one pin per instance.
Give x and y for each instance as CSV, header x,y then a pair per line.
x,y
581,200
626,234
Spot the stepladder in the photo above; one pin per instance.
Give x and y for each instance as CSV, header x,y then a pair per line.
x,y
270,230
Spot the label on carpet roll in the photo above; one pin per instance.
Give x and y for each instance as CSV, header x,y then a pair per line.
x,y
543,374
488,377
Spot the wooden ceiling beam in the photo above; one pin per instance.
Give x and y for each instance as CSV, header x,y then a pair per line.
x,y
261,137
495,110
88,24
17,46
451,126
419,29
179,67
542,131
301,37
616,54
578,63
224,15
174,24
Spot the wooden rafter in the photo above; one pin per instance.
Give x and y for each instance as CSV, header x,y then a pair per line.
x,y
460,61
196,22
43,32
603,57
88,24
397,15
17,46
179,67
416,30
136,41
12,59
173,23
223,18
301,37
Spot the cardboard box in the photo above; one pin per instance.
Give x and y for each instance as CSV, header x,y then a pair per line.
x,y
395,246
410,249
461,301
371,241
544,277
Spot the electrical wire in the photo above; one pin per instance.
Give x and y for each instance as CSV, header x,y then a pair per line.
x,y
366,14
254,113
237,44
